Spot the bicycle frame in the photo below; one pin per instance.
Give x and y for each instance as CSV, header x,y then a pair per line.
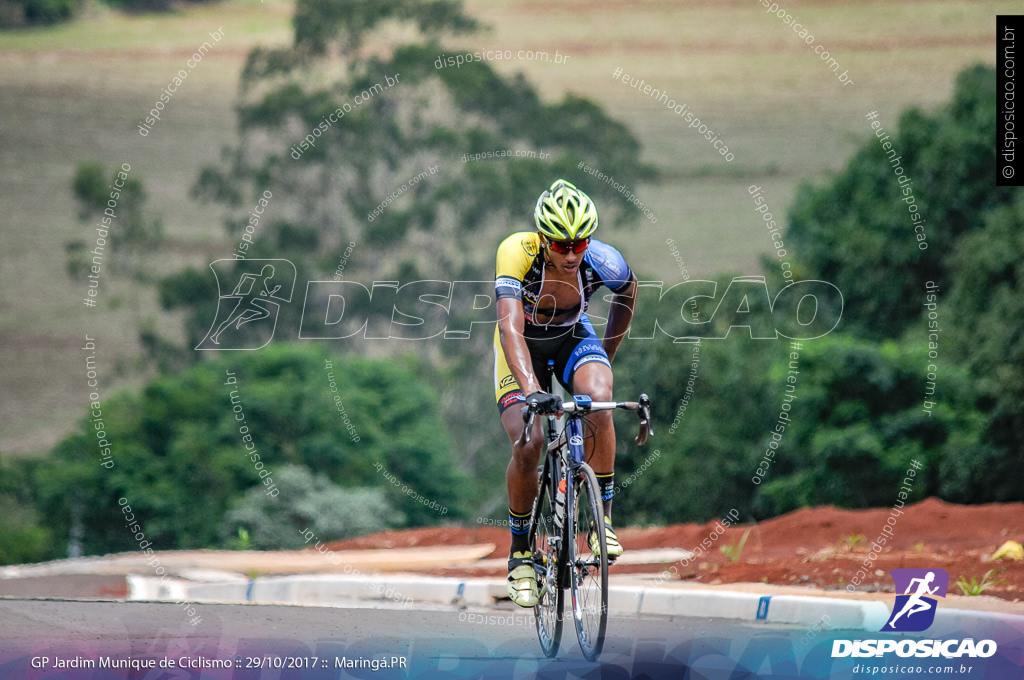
x,y
570,454
564,566
567,454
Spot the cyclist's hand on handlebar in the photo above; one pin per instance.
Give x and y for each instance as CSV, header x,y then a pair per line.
x,y
544,402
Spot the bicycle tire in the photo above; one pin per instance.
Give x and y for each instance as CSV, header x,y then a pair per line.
x,y
548,547
588,571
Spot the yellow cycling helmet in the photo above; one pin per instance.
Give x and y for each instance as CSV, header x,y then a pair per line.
x,y
564,213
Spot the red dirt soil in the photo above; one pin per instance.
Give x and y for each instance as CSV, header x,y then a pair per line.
x,y
810,547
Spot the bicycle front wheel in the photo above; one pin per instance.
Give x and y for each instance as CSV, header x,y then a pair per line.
x,y
588,563
548,550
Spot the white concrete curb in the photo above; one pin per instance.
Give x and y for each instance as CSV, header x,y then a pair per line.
x,y
724,604
409,590
331,590
153,588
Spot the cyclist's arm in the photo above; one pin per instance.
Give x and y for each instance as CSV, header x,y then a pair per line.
x,y
620,315
511,322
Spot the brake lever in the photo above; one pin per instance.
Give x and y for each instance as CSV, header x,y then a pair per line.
x,y
644,413
528,415
645,402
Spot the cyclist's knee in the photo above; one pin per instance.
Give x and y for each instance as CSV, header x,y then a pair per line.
x,y
594,378
597,384
528,455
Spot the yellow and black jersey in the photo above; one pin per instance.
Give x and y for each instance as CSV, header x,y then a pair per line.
x,y
569,340
519,273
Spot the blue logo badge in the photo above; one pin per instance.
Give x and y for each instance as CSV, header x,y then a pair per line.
x,y
914,610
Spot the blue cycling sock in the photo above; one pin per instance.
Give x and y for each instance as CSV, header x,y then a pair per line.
x,y
606,480
520,527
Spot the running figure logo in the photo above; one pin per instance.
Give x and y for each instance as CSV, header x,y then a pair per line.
x,y
253,303
914,611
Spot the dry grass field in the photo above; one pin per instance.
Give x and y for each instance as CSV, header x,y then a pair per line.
x,y
75,93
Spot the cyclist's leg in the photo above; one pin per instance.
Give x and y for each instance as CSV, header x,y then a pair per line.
x,y
587,370
595,378
521,475
520,479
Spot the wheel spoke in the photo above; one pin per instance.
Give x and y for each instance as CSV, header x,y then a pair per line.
x,y
589,565
546,544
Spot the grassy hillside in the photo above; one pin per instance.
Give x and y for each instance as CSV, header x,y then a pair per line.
x,y
75,93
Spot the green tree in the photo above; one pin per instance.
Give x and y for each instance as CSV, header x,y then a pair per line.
x,y
19,13
24,537
116,206
182,460
859,418
984,320
856,230
855,420
373,147
315,503
698,462
367,147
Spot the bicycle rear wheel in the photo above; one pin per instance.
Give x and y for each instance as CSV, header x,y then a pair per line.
x,y
548,549
588,568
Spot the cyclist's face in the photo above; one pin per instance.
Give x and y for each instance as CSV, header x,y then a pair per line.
x,y
565,263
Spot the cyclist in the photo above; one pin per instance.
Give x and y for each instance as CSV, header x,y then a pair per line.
x,y
543,282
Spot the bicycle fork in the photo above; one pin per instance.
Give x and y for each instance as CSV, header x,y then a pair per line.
x,y
565,473
548,572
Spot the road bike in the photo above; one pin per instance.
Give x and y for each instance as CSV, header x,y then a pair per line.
x,y
568,510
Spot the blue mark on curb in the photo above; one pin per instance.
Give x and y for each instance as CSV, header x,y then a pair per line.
x,y
762,607
462,589
248,590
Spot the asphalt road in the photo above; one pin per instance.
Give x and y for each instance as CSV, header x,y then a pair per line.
x,y
45,639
